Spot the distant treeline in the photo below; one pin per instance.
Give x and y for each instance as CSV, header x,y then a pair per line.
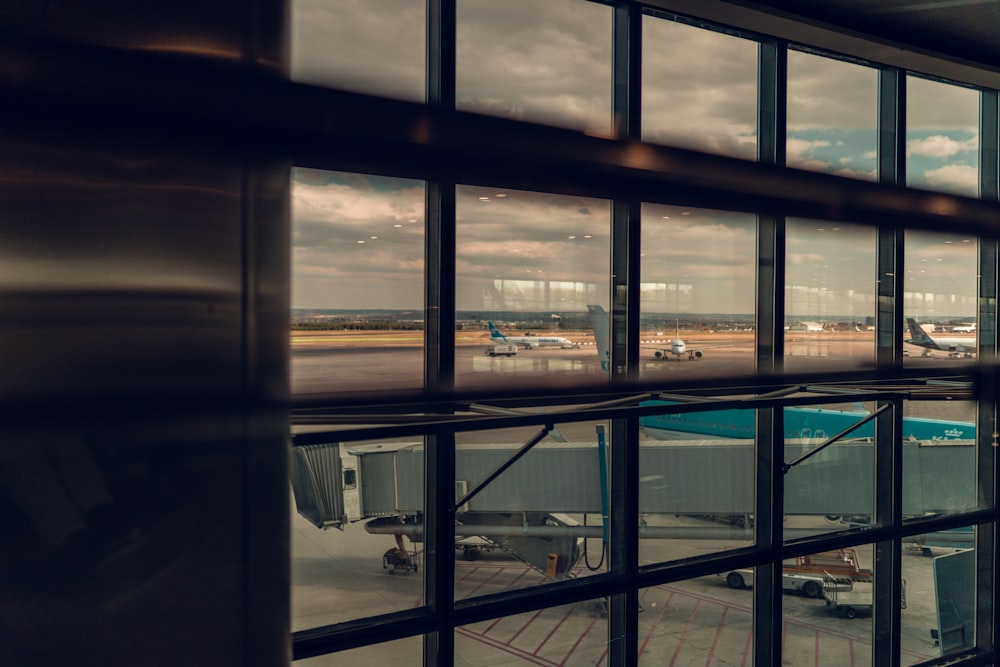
x,y
341,325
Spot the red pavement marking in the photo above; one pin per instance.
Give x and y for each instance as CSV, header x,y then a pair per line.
x,y
573,648
687,628
718,633
554,629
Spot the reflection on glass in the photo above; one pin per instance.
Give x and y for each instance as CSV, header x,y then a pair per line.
x,y
695,622
939,458
573,634
829,295
542,519
939,569
696,292
547,62
939,298
827,486
377,564
398,653
707,103
942,137
527,266
367,47
357,282
837,629
832,116
696,483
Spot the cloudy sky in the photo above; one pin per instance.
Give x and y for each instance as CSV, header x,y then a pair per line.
x,y
358,239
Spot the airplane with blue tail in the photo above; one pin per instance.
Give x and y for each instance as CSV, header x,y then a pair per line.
x,y
799,422
530,341
955,347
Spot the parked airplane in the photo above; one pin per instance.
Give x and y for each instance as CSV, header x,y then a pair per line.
x,y
530,341
955,347
798,422
965,328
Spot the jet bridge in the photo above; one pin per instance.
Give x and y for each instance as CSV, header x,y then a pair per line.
x,y
526,509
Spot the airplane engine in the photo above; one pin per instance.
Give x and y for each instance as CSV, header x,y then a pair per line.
x,y
658,354
697,354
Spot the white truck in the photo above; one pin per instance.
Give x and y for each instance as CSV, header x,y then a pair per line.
x,y
501,350
810,585
806,574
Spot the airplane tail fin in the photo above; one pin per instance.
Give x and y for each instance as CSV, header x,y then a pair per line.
x,y
602,335
494,332
917,333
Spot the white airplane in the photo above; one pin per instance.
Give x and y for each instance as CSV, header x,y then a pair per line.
x,y
530,341
965,328
678,348
955,347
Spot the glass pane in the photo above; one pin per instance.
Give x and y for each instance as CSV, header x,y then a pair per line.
x,y
832,116
696,483
545,62
367,47
357,282
573,634
696,293
940,572
940,297
398,653
695,622
829,296
528,265
538,521
707,103
942,137
834,627
376,565
824,484
939,458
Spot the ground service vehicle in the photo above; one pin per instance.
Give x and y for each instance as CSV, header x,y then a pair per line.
x,y
806,574
501,350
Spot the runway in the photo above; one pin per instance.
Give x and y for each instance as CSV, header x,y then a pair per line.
x,y
371,364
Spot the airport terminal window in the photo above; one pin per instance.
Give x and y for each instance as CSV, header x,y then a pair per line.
x,y
376,48
670,610
528,264
553,68
706,103
940,299
336,557
696,487
536,265
523,528
357,282
398,653
829,295
942,136
827,483
940,572
832,114
939,458
831,625
542,637
696,292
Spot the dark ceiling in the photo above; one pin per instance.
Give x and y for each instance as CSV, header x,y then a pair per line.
x,y
963,29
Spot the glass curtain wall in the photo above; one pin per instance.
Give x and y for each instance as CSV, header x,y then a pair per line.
x,y
552,512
